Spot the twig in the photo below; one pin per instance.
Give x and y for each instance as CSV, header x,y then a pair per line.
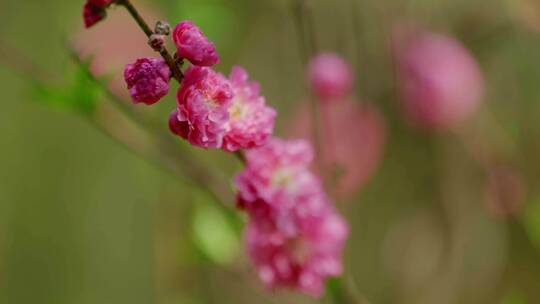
x,y
173,64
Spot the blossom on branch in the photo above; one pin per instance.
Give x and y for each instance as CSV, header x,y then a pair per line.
x,y
203,103
193,45
295,237
147,80
251,121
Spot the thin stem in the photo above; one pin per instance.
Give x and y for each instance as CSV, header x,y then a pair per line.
x,y
173,64
308,47
357,32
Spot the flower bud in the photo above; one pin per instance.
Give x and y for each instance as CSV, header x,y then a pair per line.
x,y
92,14
147,80
330,77
440,82
162,28
156,42
193,45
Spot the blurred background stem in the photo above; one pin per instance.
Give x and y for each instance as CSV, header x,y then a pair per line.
x,y
303,16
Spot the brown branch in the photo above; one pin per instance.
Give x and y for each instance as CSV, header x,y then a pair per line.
x,y
173,64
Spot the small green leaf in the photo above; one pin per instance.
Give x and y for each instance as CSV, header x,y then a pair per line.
x,y
213,234
78,93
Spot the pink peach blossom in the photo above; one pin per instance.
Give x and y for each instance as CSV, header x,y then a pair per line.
x,y
147,80
350,158
251,121
301,261
193,45
203,102
277,187
330,77
440,82
276,170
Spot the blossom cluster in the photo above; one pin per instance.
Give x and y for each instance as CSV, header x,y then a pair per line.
x,y
212,111
294,236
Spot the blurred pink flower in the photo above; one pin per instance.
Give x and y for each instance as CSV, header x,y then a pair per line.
x,y
276,170
440,82
92,14
330,77
295,238
302,261
353,136
203,101
251,121
147,80
193,45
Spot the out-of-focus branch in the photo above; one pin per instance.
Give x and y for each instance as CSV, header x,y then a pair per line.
x,y
303,16
149,143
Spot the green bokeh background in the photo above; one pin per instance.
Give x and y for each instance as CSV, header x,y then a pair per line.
x,y
83,220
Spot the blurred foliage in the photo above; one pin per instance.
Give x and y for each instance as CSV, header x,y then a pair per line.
x,y
214,234
80,93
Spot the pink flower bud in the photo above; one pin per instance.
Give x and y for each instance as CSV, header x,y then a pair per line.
x,y
193,45
156,42
203,102
92,14
330,77
147,80
440,82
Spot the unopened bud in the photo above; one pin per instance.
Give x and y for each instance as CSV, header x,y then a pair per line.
x,y
162,28
156,42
